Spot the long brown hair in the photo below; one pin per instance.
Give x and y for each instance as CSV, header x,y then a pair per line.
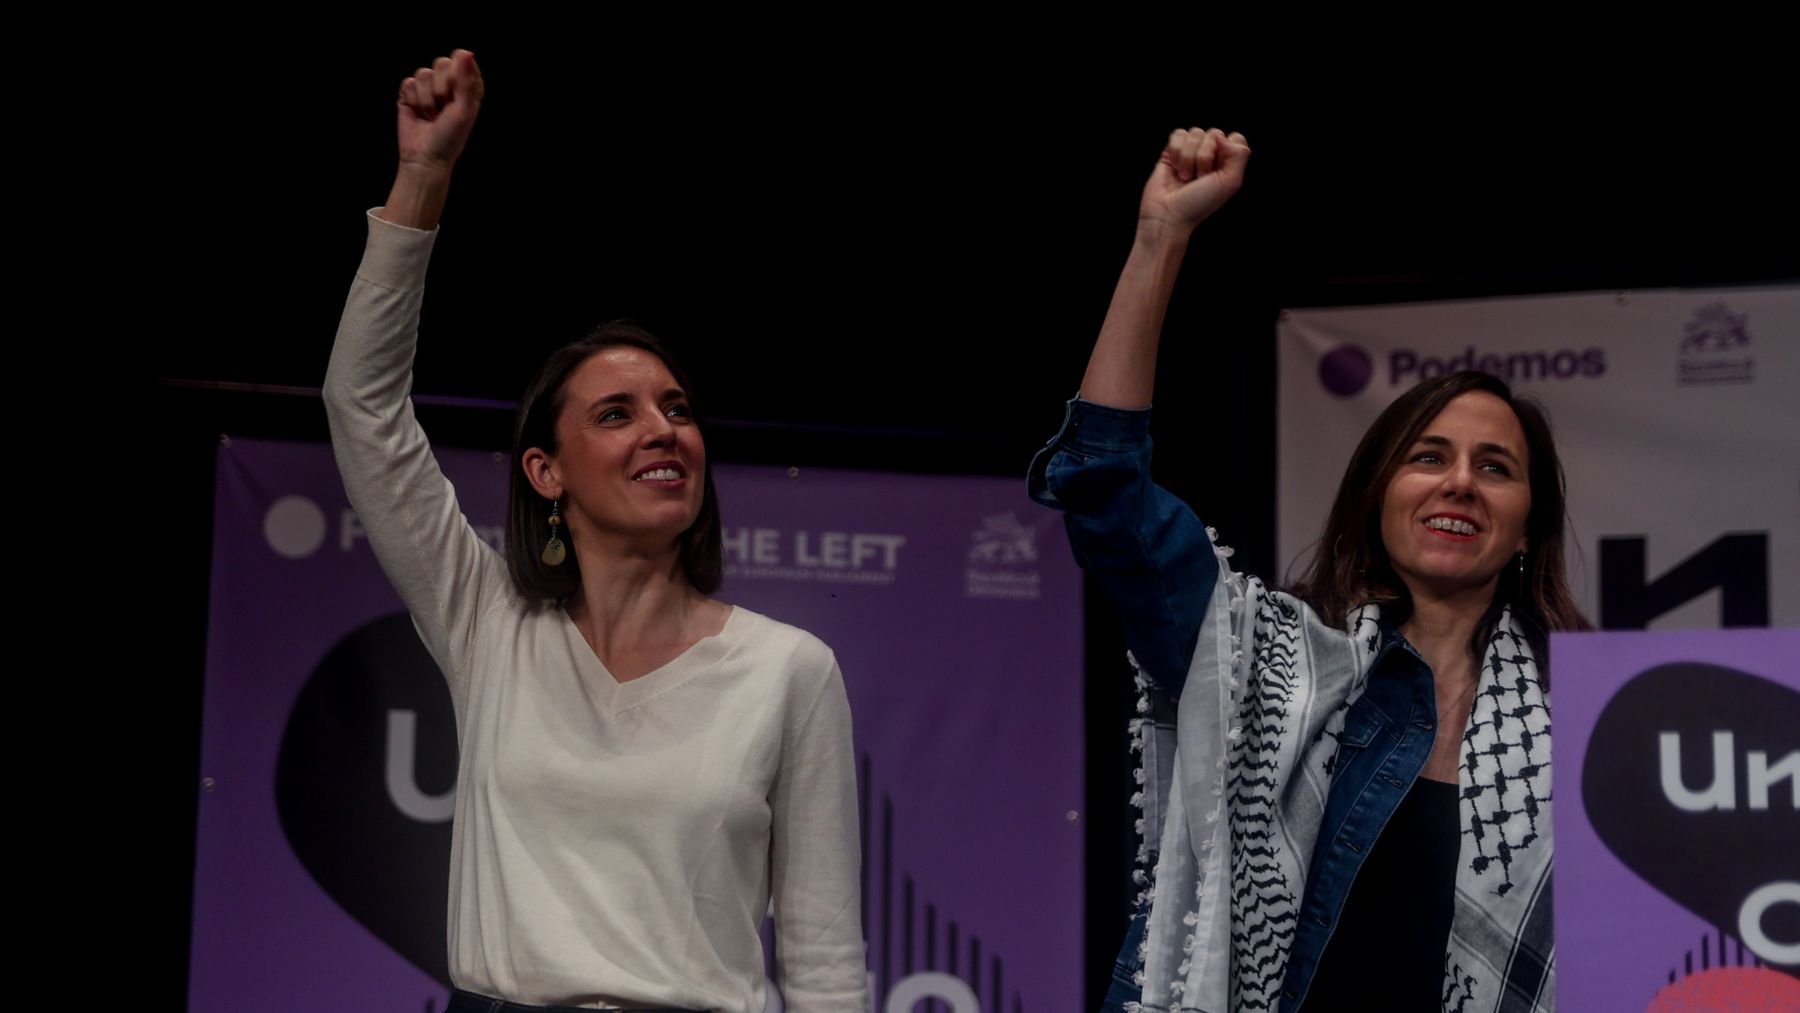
x,y
1350,565
527,513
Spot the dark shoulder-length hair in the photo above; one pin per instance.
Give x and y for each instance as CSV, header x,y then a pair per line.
x,y
1350,565
527,513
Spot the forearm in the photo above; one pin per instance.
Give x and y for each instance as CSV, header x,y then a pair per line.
x,y
1121,372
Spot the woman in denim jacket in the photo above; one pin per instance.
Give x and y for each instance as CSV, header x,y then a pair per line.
x,y
1345,785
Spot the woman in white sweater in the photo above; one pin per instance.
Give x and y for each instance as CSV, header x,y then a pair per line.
x,y
643,767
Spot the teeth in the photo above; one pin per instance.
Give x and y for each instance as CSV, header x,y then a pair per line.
x,y
659,475
1451,525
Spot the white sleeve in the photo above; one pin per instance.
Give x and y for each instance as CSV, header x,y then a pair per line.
x,y
444,572
815,858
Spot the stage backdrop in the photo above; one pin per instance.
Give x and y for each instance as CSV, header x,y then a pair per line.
x,y
328,754
1677,833
1677,415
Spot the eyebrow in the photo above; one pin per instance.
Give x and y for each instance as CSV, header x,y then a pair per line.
x,y
1485,448
624,397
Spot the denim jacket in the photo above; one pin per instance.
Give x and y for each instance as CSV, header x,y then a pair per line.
x,y
1155,561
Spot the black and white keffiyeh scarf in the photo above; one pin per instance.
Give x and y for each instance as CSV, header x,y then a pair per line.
x,y
1235,790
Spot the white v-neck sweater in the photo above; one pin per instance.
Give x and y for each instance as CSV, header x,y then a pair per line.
x,y
614,843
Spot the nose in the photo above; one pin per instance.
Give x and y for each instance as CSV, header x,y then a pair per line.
x,y
1459,480
659,431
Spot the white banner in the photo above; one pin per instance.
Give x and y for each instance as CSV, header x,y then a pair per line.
x,y
1677,414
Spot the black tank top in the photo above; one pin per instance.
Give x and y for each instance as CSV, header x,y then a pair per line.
x,y
1388,950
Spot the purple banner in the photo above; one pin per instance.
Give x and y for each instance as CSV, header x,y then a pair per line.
x,y
328,752
1677,831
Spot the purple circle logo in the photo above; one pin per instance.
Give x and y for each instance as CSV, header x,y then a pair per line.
x,y
1346,370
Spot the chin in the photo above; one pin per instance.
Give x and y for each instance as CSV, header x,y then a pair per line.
x,y
1460,584
1449,578
673,527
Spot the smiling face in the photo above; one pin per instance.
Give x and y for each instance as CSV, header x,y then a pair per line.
x,y
1455,508
629,459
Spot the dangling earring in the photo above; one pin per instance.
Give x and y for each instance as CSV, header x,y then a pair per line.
x,y
555,552
1521,558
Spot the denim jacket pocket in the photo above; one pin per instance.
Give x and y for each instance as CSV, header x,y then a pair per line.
x,y
1361,726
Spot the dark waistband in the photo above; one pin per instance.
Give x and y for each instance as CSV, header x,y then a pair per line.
x,y
470,1002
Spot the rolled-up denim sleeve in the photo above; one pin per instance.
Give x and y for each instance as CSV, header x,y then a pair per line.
x,y
1145,546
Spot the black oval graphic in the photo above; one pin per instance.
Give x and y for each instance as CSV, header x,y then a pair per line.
x,y
366,812
1707,835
